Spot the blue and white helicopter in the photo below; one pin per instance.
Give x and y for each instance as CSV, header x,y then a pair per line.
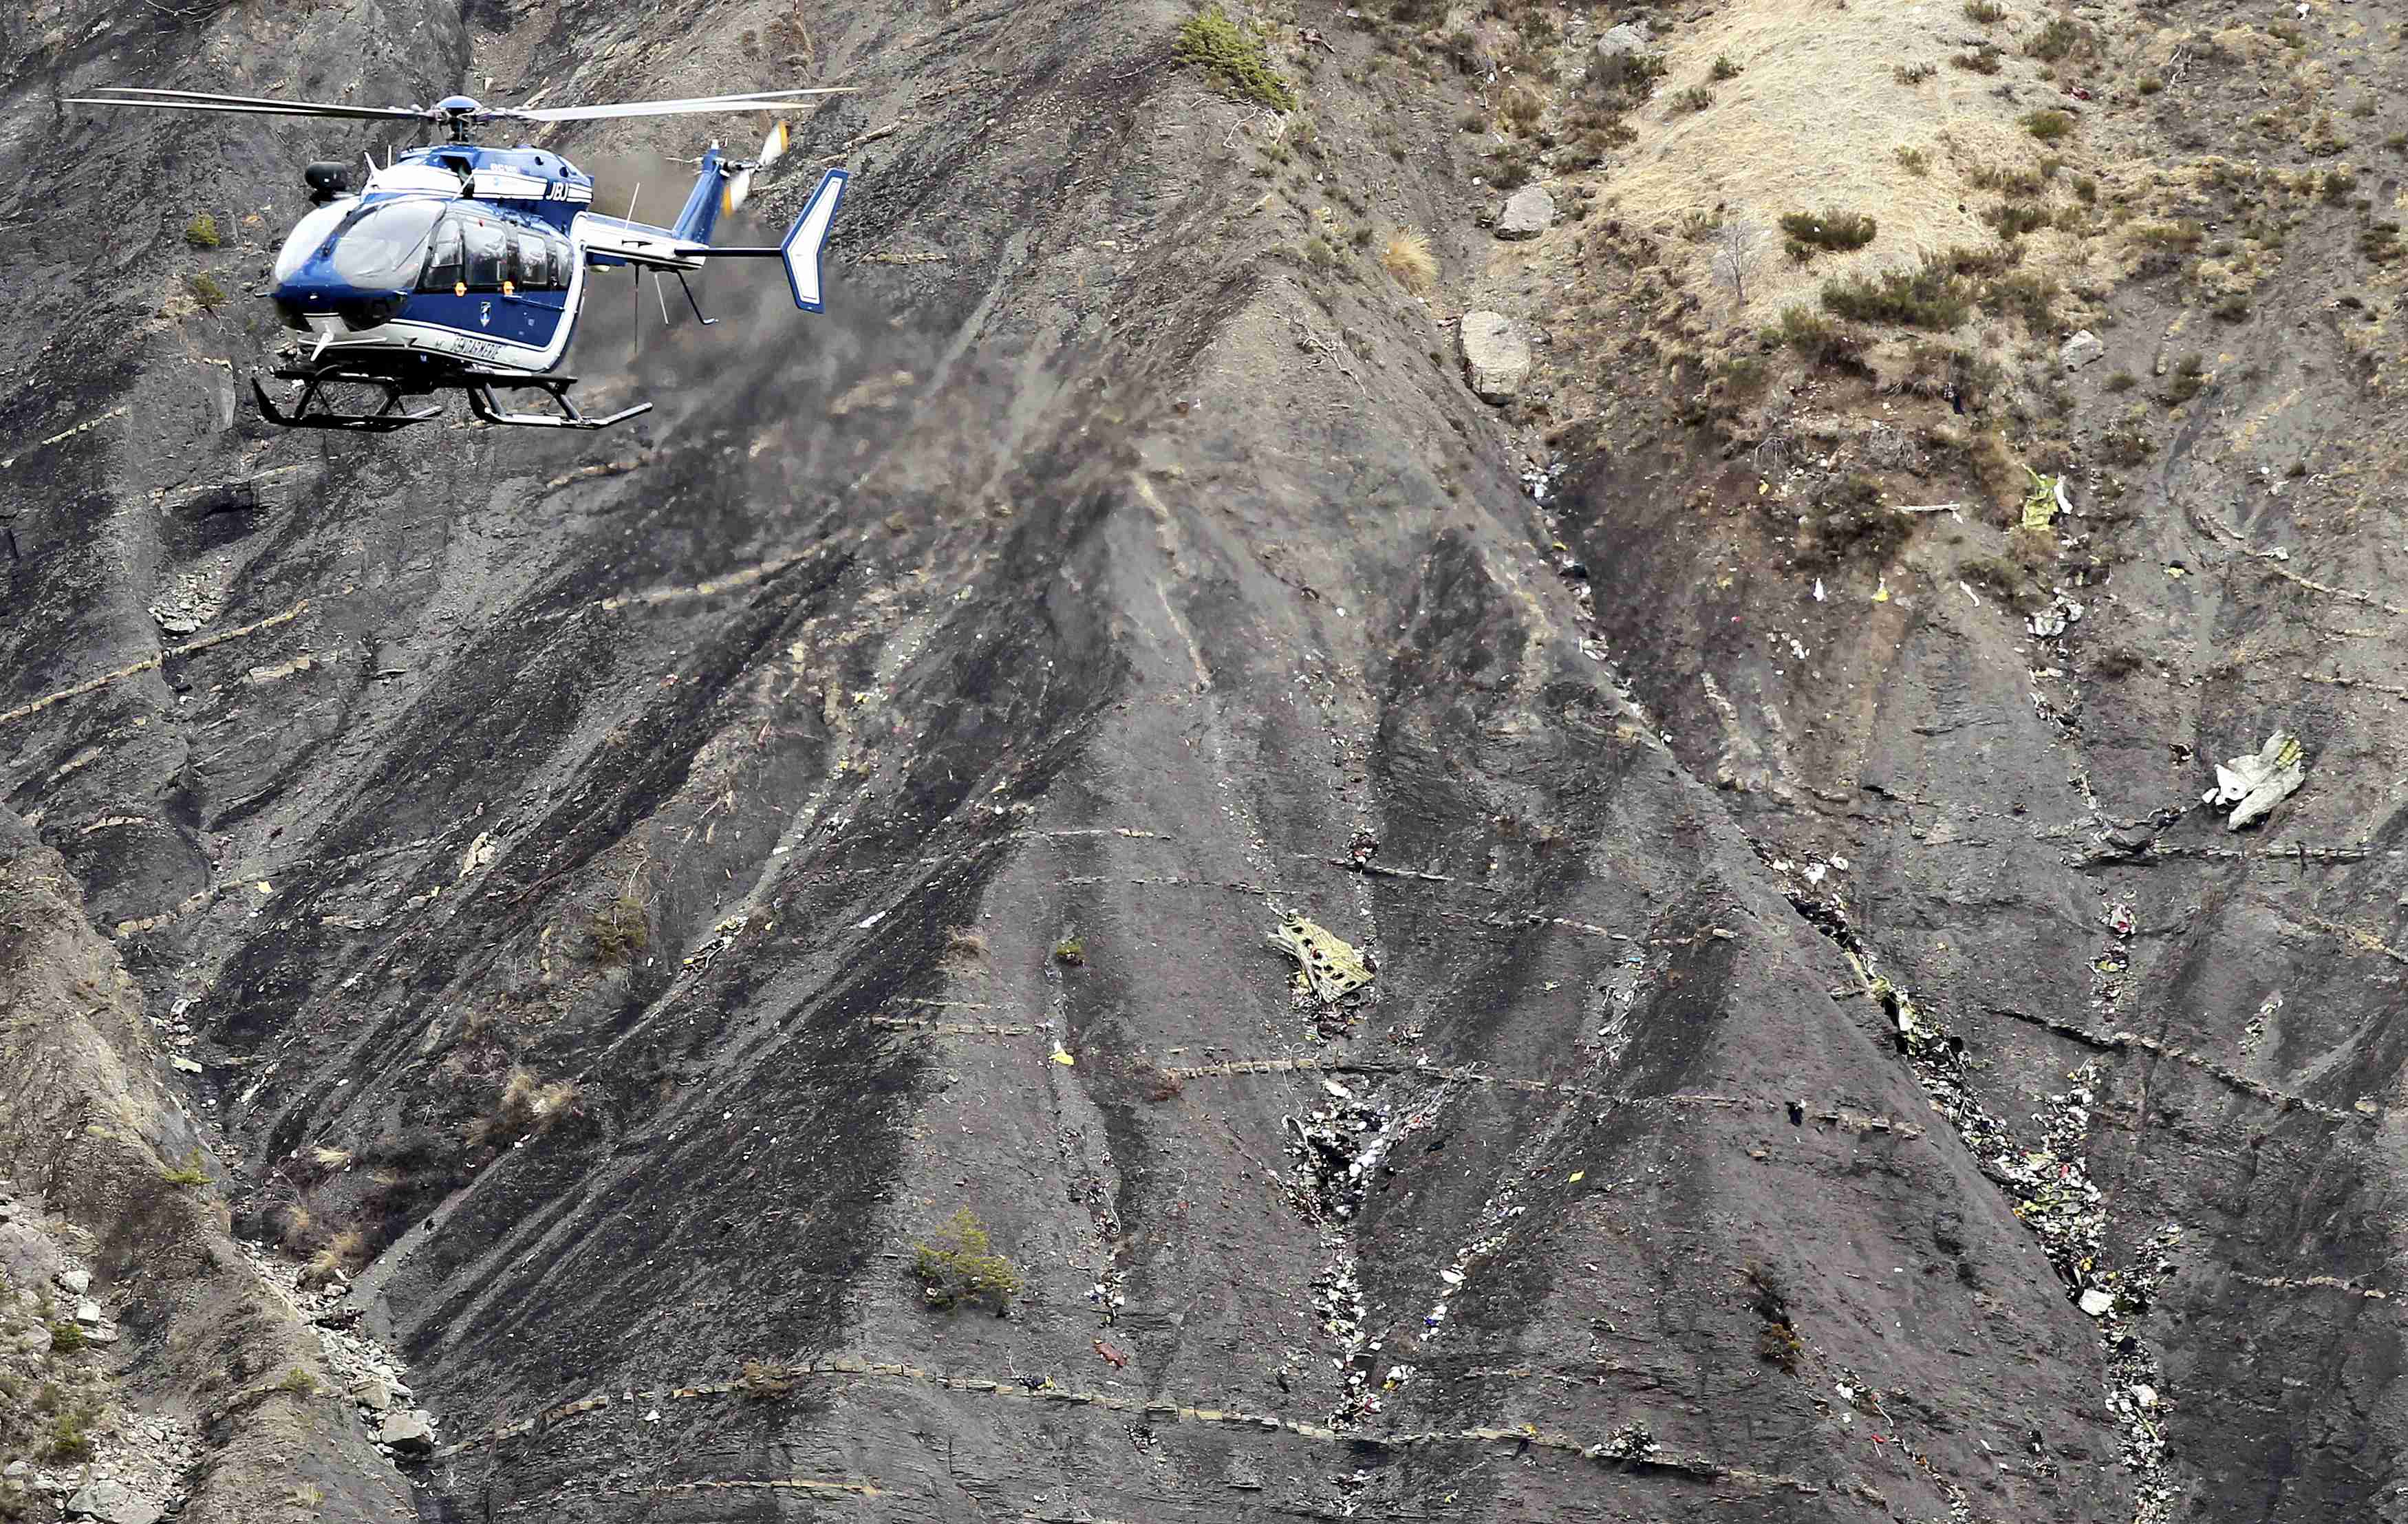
x,y
457,266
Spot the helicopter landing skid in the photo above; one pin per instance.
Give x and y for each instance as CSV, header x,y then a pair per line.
x,y
311,409
383,420
479,386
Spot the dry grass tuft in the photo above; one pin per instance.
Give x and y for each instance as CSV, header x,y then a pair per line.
x,y
1408,257
528,1107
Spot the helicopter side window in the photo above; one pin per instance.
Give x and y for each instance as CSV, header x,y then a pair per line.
x,y
447,264
564,263
489,255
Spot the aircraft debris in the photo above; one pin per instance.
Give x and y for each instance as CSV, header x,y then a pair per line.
x,y
1329,968
2254,785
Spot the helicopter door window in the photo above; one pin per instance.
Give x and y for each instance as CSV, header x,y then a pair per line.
x,y
447,263
564,263
530,270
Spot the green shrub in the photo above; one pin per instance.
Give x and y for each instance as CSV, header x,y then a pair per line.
x,y
202,231
1070,952
1778,1344
959,1264
2151,85
206,289
2048,126
1837,231
1982,59
2121,381
2015,218
70,1443
2179,237
2057,39
2338,184
1626,80
67,1337
1985,12
1914,74
299,1383
1695,98
2028,296
1812,335
1929,298
193,1171
1219,45
1724,68
619,931
1915,161
2188,379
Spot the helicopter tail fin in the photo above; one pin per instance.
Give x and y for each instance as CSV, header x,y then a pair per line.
x,y
800,249
700,216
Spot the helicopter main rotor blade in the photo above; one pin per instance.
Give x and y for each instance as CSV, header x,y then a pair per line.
x,y
194,100
759,100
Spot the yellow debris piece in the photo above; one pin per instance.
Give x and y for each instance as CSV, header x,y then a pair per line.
x,y
1330,968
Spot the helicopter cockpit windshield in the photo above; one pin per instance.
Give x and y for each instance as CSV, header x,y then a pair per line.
x,y
380,247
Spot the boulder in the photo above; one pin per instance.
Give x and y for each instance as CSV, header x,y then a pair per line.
x,y
27,1255
412,1433
1528,212
1629,37
77,1281
88,1312
2081,349
1495,354
112,1502
373,1394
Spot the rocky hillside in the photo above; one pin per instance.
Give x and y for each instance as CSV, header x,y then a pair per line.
x,y
1263,837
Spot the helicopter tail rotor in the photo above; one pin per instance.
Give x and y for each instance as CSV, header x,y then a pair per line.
x,y
773,148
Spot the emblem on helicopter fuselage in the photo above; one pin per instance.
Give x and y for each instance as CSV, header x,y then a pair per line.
x,y
484,314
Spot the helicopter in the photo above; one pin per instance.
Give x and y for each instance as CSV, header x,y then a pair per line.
x,y
460,267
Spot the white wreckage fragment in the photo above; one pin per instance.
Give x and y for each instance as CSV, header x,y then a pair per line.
x,y
2254,784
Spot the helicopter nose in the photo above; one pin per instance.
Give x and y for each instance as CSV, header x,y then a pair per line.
x,y
298,301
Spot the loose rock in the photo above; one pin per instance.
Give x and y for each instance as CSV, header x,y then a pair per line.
x,y
2081,349
1495,354
112,1502
411,1433
1629,37
1528,212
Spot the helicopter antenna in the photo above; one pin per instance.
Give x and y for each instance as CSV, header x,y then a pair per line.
x,y
636,287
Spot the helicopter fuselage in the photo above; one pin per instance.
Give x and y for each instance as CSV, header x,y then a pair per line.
x,y
452,254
